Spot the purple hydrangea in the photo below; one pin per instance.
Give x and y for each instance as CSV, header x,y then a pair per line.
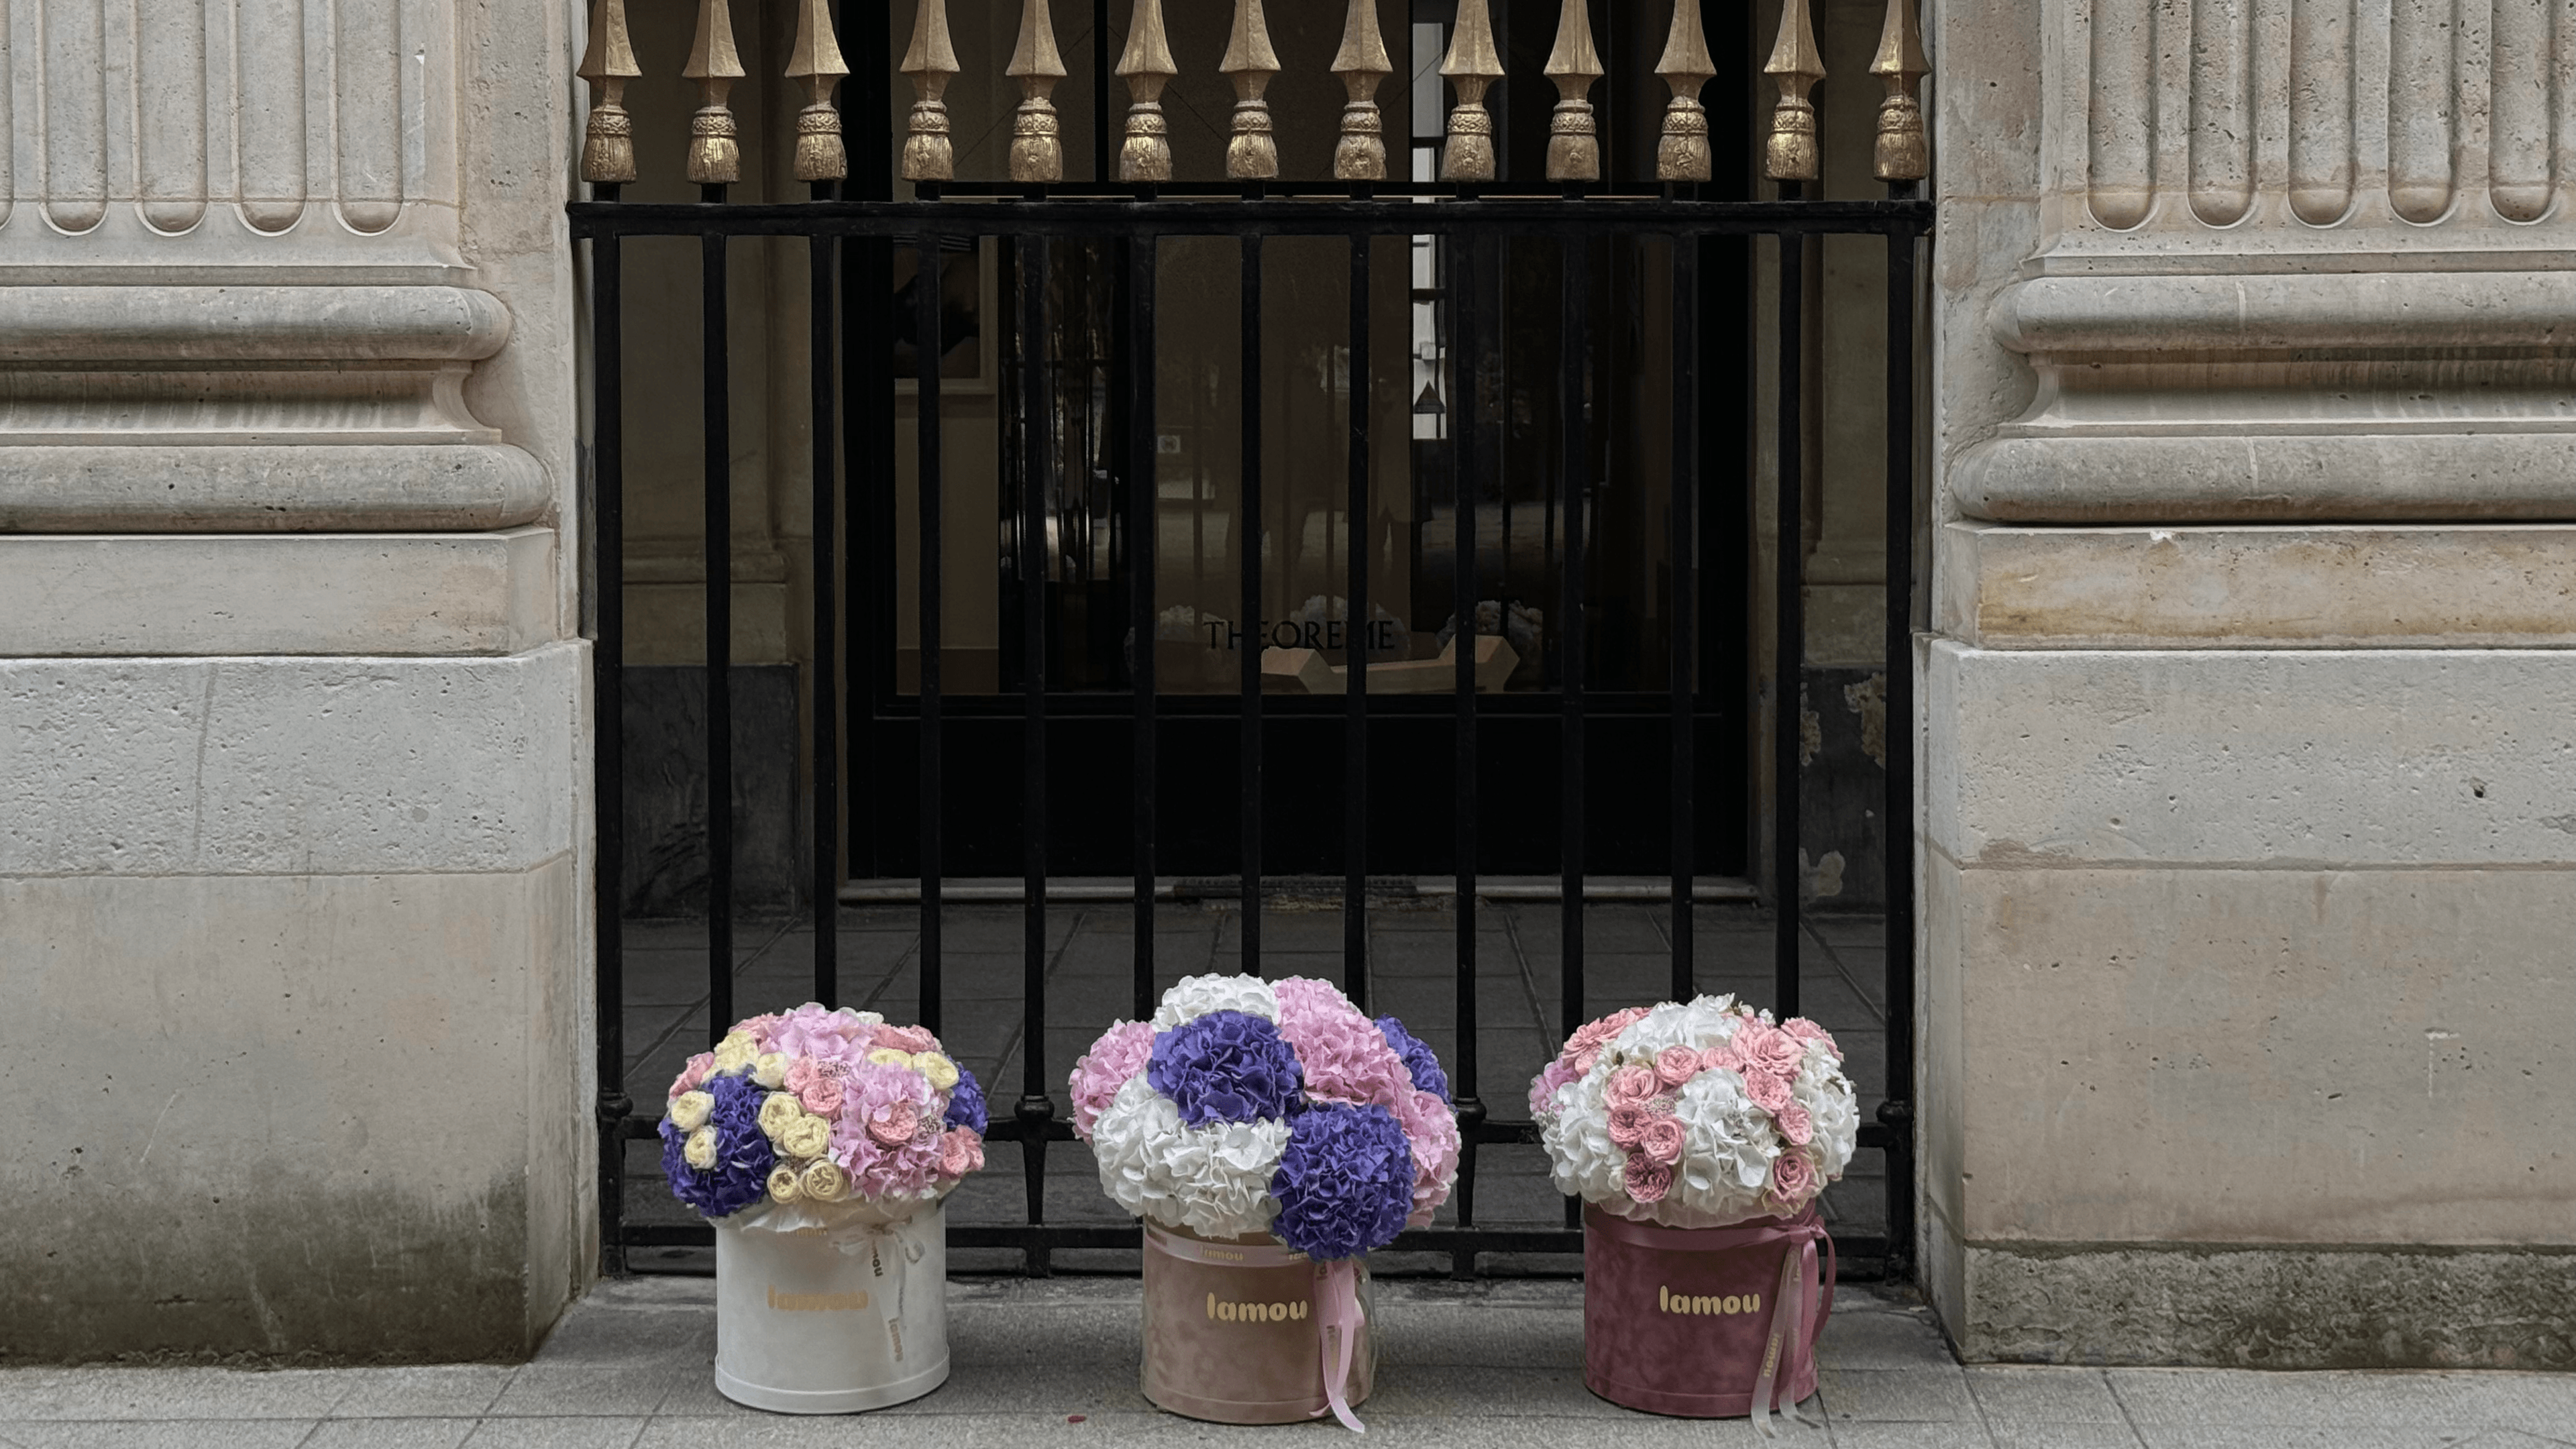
x,y
1226,1066
1345,1181
744,1157
1418,1060
966,1103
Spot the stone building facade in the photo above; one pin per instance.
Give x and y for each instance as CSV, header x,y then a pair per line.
x,y
2247,710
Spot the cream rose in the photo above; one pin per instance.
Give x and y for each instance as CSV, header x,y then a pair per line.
x,y
769,1069
937,1067
825,1182
806,1137
778,1112
690,1110
735,1052
784,1185
700,1150
890,1057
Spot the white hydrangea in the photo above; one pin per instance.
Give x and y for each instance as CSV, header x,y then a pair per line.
x,y
1582,1160
1701,1023
1832,1108
1195,996
1726,1154
1213,1180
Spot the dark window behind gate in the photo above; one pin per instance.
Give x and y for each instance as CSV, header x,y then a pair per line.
x,y
1604,773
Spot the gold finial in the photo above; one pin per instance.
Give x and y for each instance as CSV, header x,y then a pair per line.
x,y
1797,66
714,158
1147,67
1471,66
816,60
1250,63
1037,155
927,153
608,142
1573,151
1903,153
1682,154
1361,63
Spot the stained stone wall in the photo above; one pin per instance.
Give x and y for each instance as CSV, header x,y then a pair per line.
x,y
2249,866
293,708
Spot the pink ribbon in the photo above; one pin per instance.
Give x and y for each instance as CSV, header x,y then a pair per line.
x,y
1338,1314
1802,1292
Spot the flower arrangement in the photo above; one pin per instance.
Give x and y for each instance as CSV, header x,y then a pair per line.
x,y
1696,1115
817,1107
1247,1106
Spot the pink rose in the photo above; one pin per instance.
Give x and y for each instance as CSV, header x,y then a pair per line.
x,y
1796,1125
1793,1179
894,1123
1662,1140
1769,1049
821,1093
693,1073
1676,1065
960,1152
1591,1037
1628,1123
1648,1180
906,1039
1770,1093
1720,1059
800,1075
1632,1084
1805,1030
1582,1061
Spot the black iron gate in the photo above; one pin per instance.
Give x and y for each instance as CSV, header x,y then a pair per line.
x,y
840,232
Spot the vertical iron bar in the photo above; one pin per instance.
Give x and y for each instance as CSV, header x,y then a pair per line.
x,y
1144,517
1102,147
608,749
1037,450
1248,657
718,471
1574,342
1898,1111
1358,549
825,674
1788,663
930,483
1685,604
1467,402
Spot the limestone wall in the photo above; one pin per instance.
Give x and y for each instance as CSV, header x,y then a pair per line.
x,y
2250,814
293,788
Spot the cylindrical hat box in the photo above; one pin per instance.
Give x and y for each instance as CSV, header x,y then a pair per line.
x,y
1233,1330
833,1319
1679,1320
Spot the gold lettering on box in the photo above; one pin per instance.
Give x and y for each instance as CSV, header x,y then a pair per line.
x,y
1671,1302
1289,1312
817,1302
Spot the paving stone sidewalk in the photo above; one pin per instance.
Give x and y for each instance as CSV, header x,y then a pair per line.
x,y
1055,1363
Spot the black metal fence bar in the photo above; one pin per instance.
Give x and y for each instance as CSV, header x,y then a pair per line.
x,y
1573,377
1144,522
1789,644
1685,604
718,473
608,749
1896,1112
1467,414
1037,1107
928,476
826,804
1247,542
1360,550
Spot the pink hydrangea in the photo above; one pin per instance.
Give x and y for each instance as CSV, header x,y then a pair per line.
x,y
1344,1056
763,1030
960,1152
1805,1030
1544,1086
873,1096
693,1072
1584,1047
1120,1054
1431,1131
815,1032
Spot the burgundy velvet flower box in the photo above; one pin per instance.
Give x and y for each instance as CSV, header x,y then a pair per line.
x,y
1682,1321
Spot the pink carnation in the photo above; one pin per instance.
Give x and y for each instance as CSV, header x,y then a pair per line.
x,y
1431,1132
1120,1054
1582,1048
960,1152
1544,1086
1793,1179
1633,1084
1768,1048
1676,1065
1628,1123
1768,1092
1805,1030
1344,1056
693,1073
1796,1125
1648,1180
1661,1139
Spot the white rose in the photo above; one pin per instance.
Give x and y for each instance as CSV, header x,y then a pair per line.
x,y
690,1110
700,1150
1196,996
